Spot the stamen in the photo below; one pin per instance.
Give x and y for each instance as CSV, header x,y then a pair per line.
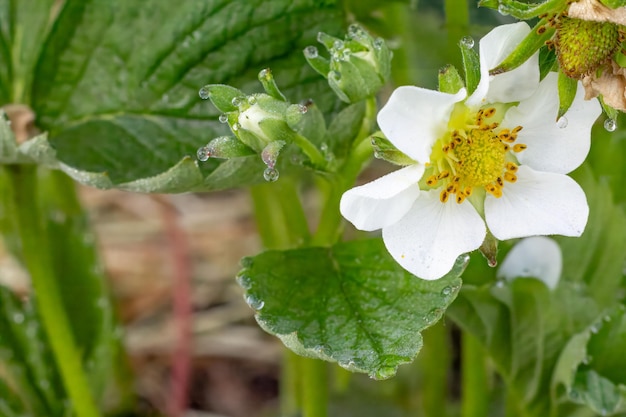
x,y
443,196
443,174
511,167
467,191
460,197
519,147
489,112
517,129
510,177
431,181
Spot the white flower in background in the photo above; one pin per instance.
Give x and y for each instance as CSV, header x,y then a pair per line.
x,y
497,156
534,257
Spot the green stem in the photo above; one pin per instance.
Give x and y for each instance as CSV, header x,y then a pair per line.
x,y
38,260
290,392
435,361
314,387
314,154
473,378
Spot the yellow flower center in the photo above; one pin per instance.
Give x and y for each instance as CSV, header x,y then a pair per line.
x,y
474,153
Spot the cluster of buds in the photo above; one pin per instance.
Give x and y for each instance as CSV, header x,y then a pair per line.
x,y
358,67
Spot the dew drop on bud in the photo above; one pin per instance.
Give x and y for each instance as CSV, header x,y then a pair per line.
x,y
251,100
236,101
264,73
354,30
562,122
467,42
270,174
236,127
379,43
204,154
302,109
223,118
204,93
610,125
502,10
310,52
338,44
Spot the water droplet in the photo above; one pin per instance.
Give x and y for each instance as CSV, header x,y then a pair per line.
x,y
502,10
607,318
379,43
354,30
335,74
310,52
446,291
467,42
432,316
573,394
204,93
338,44
385,372
236,101
235,127
247,262
500,284
264,73
378,155
302,108
562,122
324,147
271,174
203,154
18,318
254,302
244,281
594,328
610,125
252,100
223,118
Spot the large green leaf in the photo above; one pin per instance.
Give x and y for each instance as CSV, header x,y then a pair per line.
x,y
116,83
350,303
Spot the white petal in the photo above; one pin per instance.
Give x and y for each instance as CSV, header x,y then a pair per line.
x,y
514,85
384,201
539,203
429,238
534,257
550,147
414,118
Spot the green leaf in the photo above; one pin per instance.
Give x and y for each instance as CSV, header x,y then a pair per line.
x,y
523,10
526,48
450,80
614,4
116,83
350,303
567,91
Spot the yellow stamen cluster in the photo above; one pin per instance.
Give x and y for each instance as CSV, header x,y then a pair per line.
x,y
475,155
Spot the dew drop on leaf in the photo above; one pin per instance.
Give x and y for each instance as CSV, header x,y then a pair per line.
x,y
467,42
271,174
223,118
254,302
610,125
562,122
244,281
203,154
204,93
385,372
446,291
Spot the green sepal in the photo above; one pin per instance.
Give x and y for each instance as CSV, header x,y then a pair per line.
x,y
608,110
383,149
524,11
327,40
614,4
547,62
225,147
318,63
450,81
222,96
471,66
537,37
266,78
310,124
277,130
567,91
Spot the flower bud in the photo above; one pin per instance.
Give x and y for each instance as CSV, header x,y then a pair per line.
x,y
262,119
359,65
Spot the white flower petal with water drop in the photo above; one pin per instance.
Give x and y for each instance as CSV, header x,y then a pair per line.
x,y
496,160
551,147
534,257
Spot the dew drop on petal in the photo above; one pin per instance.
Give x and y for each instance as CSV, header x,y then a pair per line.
x,y
204,93
562,122
610,125
254,302
310,52
467,42
271,174
223,118
203,154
